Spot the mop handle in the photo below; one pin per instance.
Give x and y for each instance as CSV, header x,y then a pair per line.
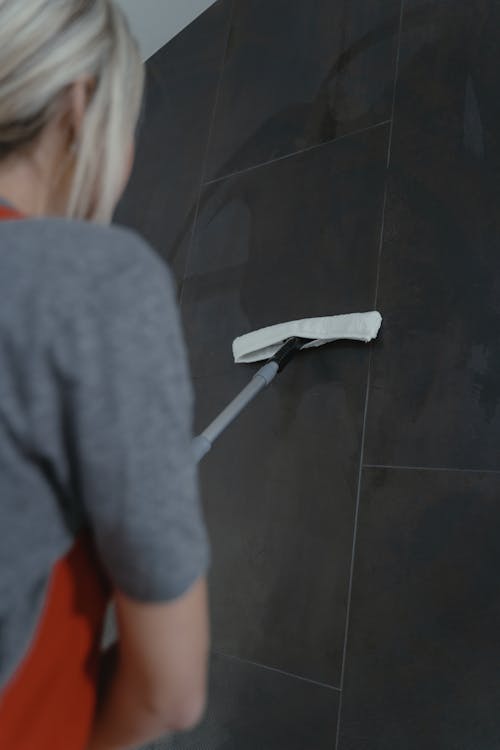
x,y
203,442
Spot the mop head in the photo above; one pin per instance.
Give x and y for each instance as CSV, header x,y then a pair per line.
x,y
264,343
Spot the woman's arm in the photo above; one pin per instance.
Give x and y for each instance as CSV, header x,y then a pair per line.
x,y
158,680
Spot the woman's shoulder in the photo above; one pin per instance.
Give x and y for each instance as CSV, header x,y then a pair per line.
x,y
88,249
74,266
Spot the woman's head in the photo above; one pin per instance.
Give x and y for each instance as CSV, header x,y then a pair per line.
x,y
50,52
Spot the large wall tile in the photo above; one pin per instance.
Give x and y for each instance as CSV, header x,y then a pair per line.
x,y
297,238
160,201
302,73
251,707
435,397
423,647
293,239
279,492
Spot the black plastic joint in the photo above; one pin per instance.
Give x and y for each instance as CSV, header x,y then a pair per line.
x,y
287,351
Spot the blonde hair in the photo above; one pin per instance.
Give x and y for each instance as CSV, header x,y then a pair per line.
x,y
46,45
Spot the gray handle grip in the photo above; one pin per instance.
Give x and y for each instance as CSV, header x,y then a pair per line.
x,y
203,442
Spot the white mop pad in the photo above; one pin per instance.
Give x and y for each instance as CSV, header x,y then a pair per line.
x,y
264,343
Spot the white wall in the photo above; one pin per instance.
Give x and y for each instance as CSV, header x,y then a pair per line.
x,y
155,22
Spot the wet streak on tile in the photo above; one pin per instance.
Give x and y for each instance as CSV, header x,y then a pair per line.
x,y
435,397
302,73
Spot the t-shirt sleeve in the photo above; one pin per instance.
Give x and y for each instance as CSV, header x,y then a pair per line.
x,y
132,412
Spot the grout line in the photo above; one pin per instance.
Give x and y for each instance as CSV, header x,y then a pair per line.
x,y
380,245
360,476
207,149
279,671
353,551
296,153
431,468
396,75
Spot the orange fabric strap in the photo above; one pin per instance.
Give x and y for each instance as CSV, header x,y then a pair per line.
x,y
10,213
49,703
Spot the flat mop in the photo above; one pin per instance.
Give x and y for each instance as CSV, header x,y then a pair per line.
x,y
278,344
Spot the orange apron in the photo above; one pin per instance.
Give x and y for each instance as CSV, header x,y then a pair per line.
x,y
49,703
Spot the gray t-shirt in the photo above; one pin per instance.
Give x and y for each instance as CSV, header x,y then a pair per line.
x,y
96,410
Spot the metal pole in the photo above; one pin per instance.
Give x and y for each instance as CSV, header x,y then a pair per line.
x,y
203,442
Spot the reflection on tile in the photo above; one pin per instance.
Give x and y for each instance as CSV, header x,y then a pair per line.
x,y
302,73
251,707
423,648
160,200
297,238
435,397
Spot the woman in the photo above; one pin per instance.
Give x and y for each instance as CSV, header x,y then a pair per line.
x,y
98,486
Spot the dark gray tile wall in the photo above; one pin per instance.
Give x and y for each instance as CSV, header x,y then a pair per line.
x,y
423,654
439,361
307,158
181,86
293,239
298,74
280,488
251,707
